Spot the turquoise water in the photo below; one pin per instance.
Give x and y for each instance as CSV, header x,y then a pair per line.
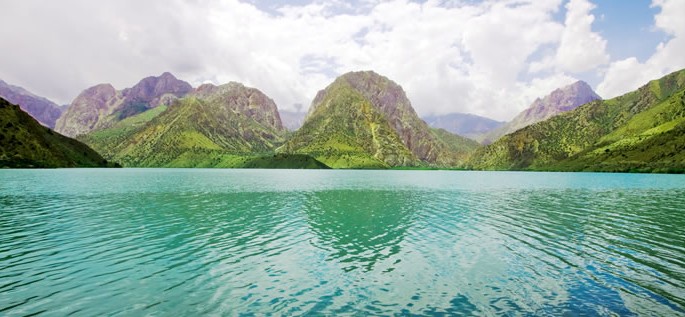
x,y
182,242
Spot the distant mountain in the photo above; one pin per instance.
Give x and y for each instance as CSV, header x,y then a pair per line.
x,y
292,120
102,106
24,142
643,131
41,109
464,124
214,126
559,101
364,120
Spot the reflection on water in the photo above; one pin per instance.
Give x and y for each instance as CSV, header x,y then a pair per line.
x,y
360,228
195,242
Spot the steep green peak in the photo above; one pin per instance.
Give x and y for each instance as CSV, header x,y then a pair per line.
x,y
383,93
355,97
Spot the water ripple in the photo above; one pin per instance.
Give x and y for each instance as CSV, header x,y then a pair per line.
x,y
228,242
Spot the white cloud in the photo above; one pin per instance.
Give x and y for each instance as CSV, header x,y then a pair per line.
x,y
491,58
629,74
580,49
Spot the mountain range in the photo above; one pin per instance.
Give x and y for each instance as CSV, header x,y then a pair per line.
x,y
360,120
213,126
101,106
464,124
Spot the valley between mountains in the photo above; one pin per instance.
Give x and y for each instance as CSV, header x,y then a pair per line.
x,y
362,120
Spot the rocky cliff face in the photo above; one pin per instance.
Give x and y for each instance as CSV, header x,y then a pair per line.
x,y
101,106
559,101
86,111
244,100
365,120
41,109
153,91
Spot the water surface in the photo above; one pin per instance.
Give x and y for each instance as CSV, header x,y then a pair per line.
x,y
87,242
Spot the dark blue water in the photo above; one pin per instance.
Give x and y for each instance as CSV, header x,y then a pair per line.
x,y
129,242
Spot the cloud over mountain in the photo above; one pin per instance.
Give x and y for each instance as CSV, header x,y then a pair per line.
x,y
490,58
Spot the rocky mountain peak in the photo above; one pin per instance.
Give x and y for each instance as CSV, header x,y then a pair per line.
x,y
102,105
100,94
383,92
236,97
150,89
558,101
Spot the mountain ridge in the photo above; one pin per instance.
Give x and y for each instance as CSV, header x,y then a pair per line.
x,y
365,120
40,108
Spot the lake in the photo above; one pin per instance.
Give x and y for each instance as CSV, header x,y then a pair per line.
x,y
188,242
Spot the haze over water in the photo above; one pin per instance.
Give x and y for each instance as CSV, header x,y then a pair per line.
x,y
210,241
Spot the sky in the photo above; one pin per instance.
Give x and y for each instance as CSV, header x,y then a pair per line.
x,y
491,57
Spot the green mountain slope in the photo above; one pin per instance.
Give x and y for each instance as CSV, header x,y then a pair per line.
x,y
455,143
364,120
346,131
639,131
26,143
215,126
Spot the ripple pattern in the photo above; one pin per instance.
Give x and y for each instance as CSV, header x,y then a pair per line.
x,y
259,242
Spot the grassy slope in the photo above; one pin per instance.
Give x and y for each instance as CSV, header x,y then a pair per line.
x,y
346,131
26,143
641,130
198,140
190,133
104,141
651,141
456,145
